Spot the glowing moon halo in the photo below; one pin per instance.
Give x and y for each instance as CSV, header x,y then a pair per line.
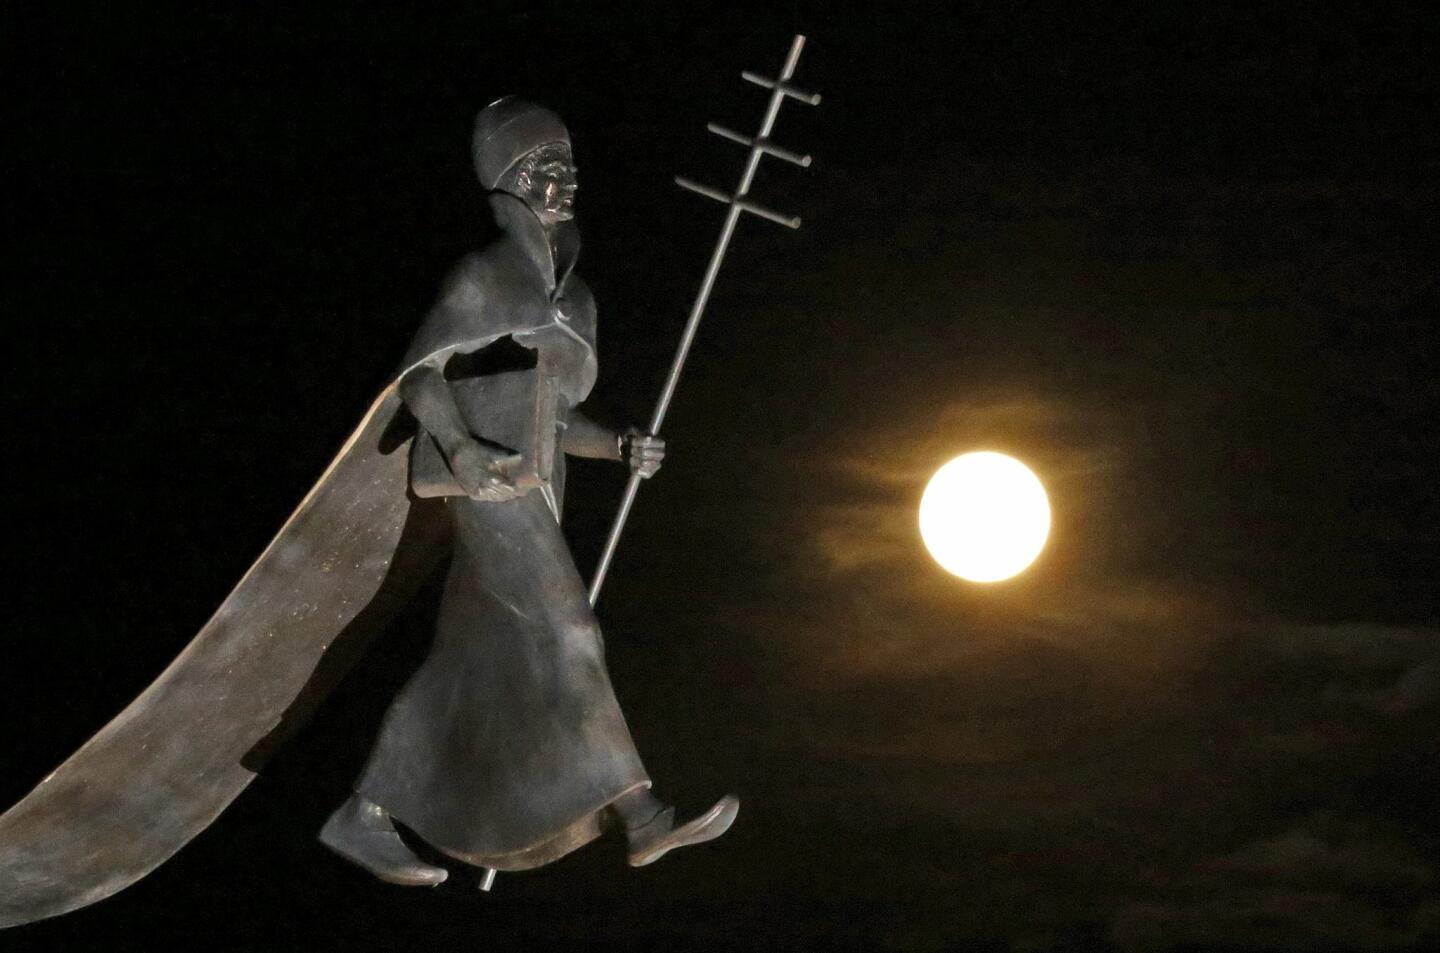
x,y
984,516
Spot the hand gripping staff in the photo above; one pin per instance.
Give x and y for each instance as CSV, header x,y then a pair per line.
x,y
738,202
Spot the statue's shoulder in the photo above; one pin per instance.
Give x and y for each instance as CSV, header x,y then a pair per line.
x,y
473,277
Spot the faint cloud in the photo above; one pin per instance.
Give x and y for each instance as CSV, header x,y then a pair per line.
x,y
1417,689
1367,644
1390,670
1324,882
1054,436
1323,851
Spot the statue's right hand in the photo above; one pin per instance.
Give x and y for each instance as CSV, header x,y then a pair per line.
x,y
479,471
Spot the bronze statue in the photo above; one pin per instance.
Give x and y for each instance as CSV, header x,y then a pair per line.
x,y
507,748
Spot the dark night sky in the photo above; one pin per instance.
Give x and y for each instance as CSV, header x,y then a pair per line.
x,y
1181,261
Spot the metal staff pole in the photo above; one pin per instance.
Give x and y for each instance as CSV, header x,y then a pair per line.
x,y
759,146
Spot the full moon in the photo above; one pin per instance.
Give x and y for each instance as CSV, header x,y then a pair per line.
x,y
984,516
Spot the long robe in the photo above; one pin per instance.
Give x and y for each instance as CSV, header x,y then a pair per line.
x,y
508,743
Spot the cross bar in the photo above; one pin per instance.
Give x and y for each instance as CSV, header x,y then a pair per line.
x,y
764,145
780,85
745,205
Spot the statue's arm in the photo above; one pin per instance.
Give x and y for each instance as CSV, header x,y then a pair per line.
x,y
586,438
429,399
477,468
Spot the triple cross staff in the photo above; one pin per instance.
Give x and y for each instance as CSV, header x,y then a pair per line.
x,y
738,202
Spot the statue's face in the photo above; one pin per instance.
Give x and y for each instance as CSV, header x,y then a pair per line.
x,y
545,180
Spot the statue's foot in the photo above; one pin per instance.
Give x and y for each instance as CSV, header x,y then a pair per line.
x,y
649,842
361,832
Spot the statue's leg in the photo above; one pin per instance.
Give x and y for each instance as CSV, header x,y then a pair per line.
x,y
634,809
362,833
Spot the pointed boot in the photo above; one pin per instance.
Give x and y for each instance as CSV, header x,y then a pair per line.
x,y
649,842
362,833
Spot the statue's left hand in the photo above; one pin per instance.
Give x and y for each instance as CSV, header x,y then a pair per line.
x,y
643,452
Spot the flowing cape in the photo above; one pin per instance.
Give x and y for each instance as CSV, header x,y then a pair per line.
x,y
175,758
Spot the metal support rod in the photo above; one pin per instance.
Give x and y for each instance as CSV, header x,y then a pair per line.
x,y
779,90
